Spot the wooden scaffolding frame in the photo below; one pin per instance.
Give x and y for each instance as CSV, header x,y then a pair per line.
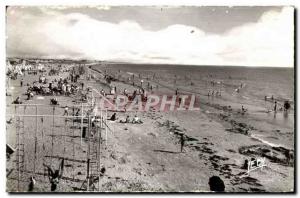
x,y
93,159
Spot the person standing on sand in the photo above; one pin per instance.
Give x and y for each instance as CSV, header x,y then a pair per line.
x,y
125,92
113,117
142,83
102,92
286,105
21,83
127,120
64,89
179,101
66,111
275,106
182,141
50,86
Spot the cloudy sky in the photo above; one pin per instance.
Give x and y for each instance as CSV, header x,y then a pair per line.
x,y
245,36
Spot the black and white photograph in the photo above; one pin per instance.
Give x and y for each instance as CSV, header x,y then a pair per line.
x,y
150,99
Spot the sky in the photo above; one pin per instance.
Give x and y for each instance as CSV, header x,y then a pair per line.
x,y
241,36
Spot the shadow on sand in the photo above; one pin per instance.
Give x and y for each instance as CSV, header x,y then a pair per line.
x,y
162,151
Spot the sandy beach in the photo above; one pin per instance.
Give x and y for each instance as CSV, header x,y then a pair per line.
x,y
146,157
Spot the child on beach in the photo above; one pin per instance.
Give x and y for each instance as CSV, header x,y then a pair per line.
x,y
113,117
31,184
125,92
127,120
66,111
17,101
112,91
136,120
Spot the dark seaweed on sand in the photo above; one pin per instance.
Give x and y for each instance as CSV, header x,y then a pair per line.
x,y
279,155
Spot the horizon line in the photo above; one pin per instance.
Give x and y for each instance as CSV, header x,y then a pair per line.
x,y
135,63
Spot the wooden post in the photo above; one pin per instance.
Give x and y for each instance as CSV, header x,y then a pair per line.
x,y
87,175
18,146
43,136
35,139
92,98
105,128
88,155
24,167
81,124
52,134
65,134
73,134
99,150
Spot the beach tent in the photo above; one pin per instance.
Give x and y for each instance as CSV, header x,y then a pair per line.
x,y
18,70
40,67
9,66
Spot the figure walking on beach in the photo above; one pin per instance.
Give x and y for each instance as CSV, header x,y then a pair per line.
x,y
31,184
275,106
243,109
286,105
182,141
66,111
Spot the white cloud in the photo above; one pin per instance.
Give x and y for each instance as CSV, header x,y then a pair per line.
x,y
269,42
